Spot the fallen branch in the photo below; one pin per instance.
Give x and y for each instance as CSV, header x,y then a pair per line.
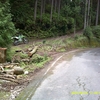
x,y
30,54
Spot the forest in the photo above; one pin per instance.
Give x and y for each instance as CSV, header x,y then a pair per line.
x,y
48,18
53,27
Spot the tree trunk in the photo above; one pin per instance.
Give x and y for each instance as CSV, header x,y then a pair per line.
x,y
55,5
41,9
59,2
97,14
85,15
90,12
3,55
51,11
74,26
9,79
44,6
30,54
88,16
35,9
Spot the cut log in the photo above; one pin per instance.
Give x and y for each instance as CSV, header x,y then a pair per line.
x,y
30,54
1,67
9,66
14,71
2,55
9,79
9,72
18,71
9,76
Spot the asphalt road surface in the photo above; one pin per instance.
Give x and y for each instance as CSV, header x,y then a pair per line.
x,y
73,76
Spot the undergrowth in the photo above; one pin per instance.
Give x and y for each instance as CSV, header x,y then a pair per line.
x,y
57,45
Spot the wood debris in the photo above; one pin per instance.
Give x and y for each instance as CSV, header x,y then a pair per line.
x,y
11,71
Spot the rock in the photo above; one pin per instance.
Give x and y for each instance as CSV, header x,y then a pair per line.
x,y
26,72
18,70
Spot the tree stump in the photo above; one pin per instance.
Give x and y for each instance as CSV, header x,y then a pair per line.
x,y
3,54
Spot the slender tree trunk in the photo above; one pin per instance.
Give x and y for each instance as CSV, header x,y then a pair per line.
x,y
74,22
55,5
44,6
85,15
97,14
59,3
74,26
90,12
35,9
88,15
51,10
41,9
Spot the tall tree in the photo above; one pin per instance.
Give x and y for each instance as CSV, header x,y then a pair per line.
x,y
97,14
41,9
88,13
44,1
55,6
59,3
35,10
85,14
51,10
91,12
7,28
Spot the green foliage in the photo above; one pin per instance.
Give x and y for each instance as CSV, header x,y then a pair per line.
x,y
71,14
7,28
44,34
39,61
92,32
4,95
88,32
22,13
66,10
62,25
81,41
96,31
77,37
23,18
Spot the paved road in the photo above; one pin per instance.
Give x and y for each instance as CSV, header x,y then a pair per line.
x,y
76,76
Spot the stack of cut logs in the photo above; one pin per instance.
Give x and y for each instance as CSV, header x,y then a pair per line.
x,y
12,68
10,71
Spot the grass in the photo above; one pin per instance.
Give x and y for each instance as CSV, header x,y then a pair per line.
x,y
4,95
41,64
55,45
